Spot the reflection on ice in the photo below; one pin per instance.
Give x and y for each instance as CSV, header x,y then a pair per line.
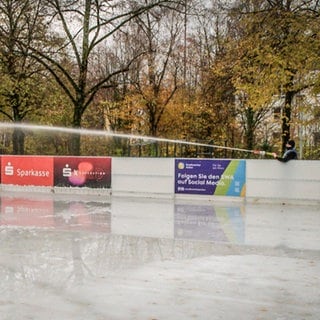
x,y
47,211
209,222
81,257
93,235
135,217
85,236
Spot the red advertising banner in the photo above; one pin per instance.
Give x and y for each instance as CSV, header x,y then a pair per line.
x,y
92,172
27,170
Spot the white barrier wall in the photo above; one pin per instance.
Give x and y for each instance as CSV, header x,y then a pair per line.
x,y
265,179
143,176
294,180
155,177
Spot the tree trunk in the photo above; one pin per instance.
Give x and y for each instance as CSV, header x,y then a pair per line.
x,y
75,138
249,131
74,144
18,137
286,118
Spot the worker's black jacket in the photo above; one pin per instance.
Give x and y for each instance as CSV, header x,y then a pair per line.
x,y
290,154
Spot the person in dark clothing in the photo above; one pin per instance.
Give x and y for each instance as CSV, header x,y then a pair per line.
x,y
290,154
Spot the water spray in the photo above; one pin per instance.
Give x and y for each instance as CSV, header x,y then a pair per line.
x,y
108,133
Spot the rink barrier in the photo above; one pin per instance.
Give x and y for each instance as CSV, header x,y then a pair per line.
x,y
263,180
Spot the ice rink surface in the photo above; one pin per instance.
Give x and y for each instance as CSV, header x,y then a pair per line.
x,y
108,258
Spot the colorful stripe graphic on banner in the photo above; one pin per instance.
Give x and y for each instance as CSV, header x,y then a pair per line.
x,y
233,179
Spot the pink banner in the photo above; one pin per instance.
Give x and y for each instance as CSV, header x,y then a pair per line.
x,y
92,172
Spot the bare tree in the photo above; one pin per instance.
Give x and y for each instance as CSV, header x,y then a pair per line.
x,y
86,25
158,72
